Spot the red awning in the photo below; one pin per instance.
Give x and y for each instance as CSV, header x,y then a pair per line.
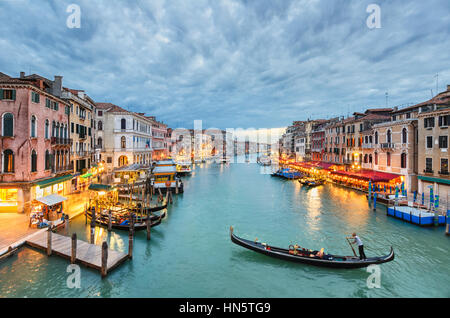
x,y
368,175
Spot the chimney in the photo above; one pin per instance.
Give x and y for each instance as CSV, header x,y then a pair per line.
x,y
57,86
22,74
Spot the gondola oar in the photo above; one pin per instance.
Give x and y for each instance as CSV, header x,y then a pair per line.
x,y
351,246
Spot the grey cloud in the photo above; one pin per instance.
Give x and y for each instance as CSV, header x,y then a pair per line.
x,y
260,63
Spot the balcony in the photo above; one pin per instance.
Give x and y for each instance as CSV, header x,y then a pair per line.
x,y
387,146
444,173
429,171
60,141
367,146
61,169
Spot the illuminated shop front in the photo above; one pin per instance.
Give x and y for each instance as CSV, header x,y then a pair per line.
x,y
9,200
59,185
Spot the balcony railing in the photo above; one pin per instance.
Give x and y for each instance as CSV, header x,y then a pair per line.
x,y
428,171
367,146
60,141
445,172
387,146
62,168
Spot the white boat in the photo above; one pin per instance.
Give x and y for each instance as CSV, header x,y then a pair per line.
x,y
264,161
184,168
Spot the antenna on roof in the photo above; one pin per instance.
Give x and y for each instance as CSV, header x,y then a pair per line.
x,y
437,83
431,93
387,99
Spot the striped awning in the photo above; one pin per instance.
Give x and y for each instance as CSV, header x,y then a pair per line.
x,y
51,199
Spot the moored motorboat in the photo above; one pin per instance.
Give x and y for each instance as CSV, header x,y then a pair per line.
x,y
299,255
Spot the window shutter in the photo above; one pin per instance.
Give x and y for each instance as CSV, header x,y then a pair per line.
x,y
13,94
1,94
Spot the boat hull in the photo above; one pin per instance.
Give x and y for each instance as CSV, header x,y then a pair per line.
x,y
344,262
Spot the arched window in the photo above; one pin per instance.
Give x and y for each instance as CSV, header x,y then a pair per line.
x,y
33,161
8,125
389,136
403,160
61,131
33,127
123,142
8,161
370,158
388,159
100,125
376,138
123,124
47,160
404,136
47,124
123,161
53,129
376,158
365,158
57,130
100,142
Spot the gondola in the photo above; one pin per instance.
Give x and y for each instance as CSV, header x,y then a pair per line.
x,y
138,226
308,256
148,210
137,219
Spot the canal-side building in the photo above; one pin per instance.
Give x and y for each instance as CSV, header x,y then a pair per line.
x,y
394,147
35,143
318,142
433,136
159,139
81,128
125,137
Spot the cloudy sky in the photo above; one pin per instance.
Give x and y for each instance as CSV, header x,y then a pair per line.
x,y
230,63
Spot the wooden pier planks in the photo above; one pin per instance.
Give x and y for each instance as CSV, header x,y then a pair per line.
x,y
87,254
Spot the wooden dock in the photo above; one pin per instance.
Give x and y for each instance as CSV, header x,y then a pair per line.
x,y
87,254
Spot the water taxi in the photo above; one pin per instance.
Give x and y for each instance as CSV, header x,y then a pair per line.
x,y
184,168
165,177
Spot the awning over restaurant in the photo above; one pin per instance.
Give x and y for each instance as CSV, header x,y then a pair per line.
x,y
86,175
368,175
51,199
100,187
131,168
431,179
49,182
315,164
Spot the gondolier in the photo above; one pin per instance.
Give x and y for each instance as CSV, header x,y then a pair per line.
x,y
358,241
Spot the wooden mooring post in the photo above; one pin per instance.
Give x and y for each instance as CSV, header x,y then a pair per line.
x,y
104,269
73,256
93,228
66,223
447,228
130,237
49,240
176,186
109,221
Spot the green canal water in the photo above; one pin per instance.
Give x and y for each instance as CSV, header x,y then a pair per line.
x,y
191,255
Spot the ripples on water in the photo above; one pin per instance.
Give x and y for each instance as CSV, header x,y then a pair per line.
x,y
191,255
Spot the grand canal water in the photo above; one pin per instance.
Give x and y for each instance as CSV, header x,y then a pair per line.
x,y
191,255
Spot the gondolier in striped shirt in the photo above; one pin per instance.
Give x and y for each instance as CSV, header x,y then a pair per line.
x,y
358,241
